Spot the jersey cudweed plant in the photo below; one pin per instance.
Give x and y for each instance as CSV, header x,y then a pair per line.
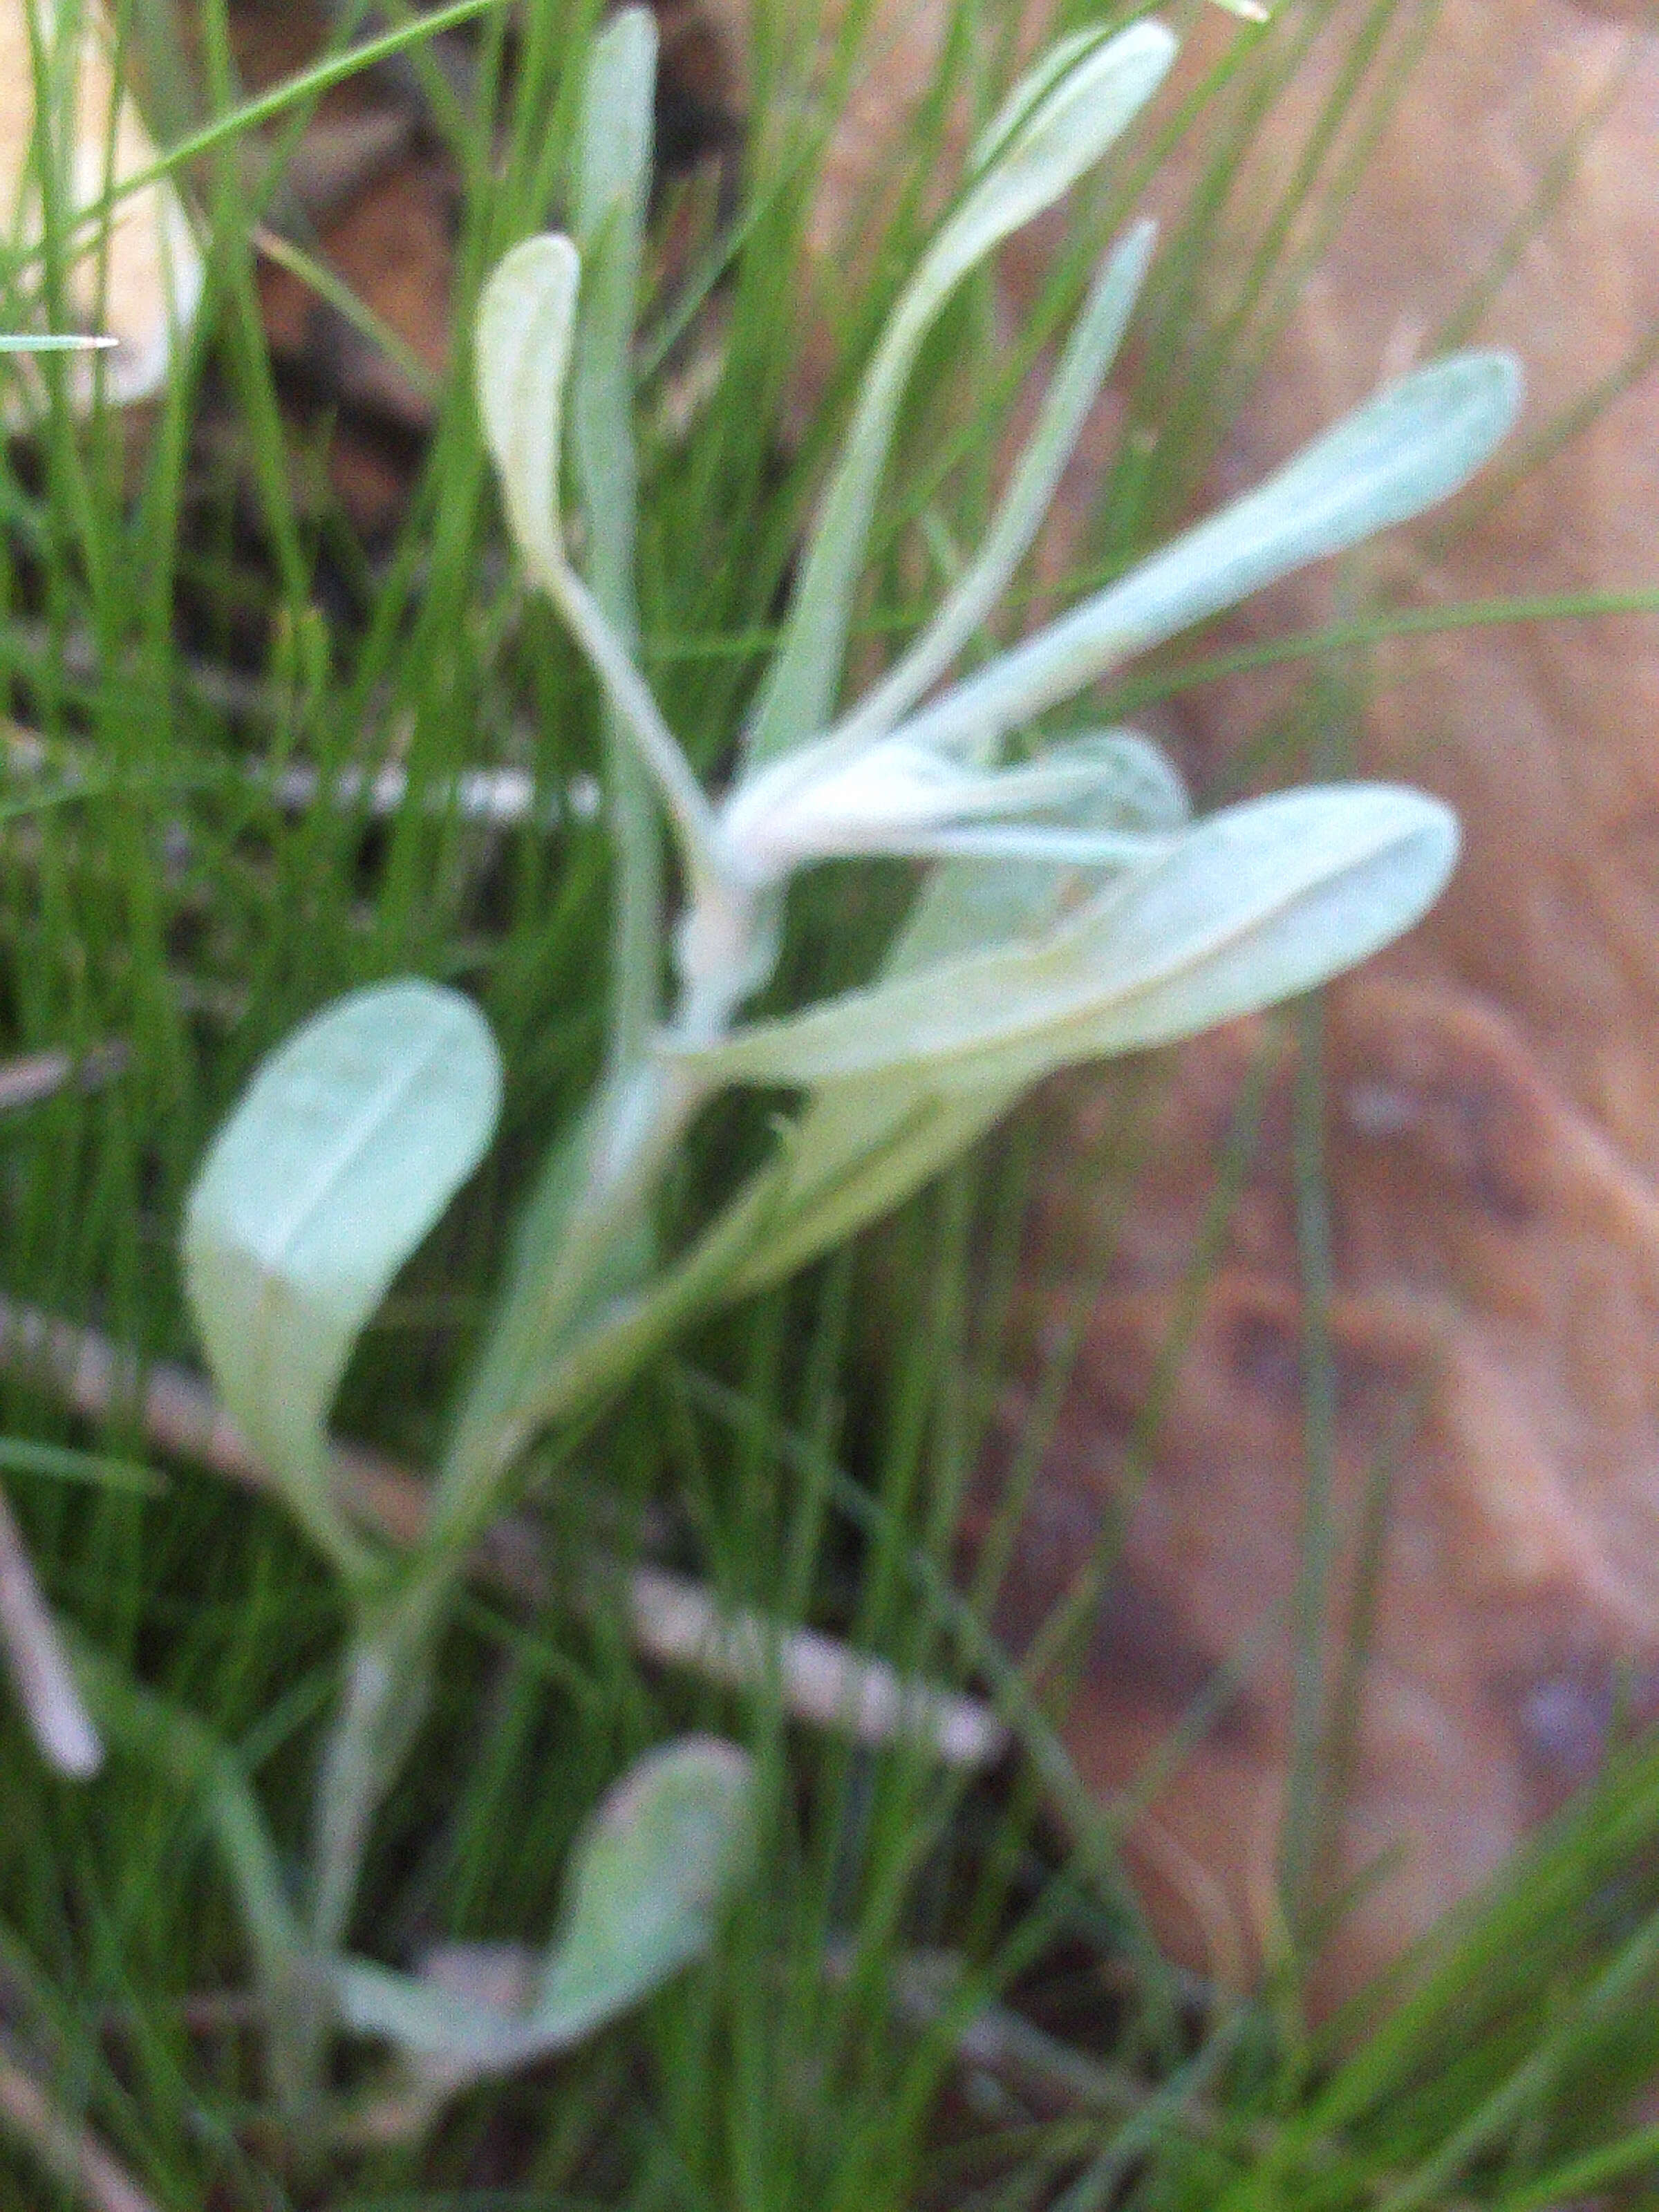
x,y
1070,909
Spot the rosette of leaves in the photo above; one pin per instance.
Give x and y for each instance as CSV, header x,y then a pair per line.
x,y
1070,907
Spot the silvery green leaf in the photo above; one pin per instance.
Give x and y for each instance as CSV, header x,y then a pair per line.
x,y
1251,906
1071,109
610,190
967,908
860,1145
1136,787
894,798
526,317
612,160
1048,72
525,323
651,1874
864,1143
1057,126
1088,354
341,1153
610,185
659,1861
1076,783
1415,443
1053,848
863,1146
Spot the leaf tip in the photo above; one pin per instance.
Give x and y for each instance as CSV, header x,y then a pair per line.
x,y
1428,837
1081,93
522,344
695,1795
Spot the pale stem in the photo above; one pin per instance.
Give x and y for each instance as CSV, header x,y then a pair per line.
x,y
634,1127
41,1669
629,696
387,1677
642,1116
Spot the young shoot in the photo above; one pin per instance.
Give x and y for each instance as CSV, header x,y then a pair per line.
x,y
1068,908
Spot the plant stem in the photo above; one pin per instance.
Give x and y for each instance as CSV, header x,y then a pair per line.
x,y
610,190
387,1677
629,697
586,1237
596,1193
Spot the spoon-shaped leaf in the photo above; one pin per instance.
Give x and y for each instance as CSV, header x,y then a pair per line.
x,y
652,1873
1251,906
341,1155
1057,124
523,339
661,1856
526,319
1413,444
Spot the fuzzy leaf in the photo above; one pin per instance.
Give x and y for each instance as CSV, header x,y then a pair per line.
x,y
896,798
609,186
863,1146
526,318
658,1861
610,190
1249,907
652,1871
341,1155
1090,352
611,167
1056,126
1415,443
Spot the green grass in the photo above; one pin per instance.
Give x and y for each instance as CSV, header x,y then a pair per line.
x,y
797,1459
